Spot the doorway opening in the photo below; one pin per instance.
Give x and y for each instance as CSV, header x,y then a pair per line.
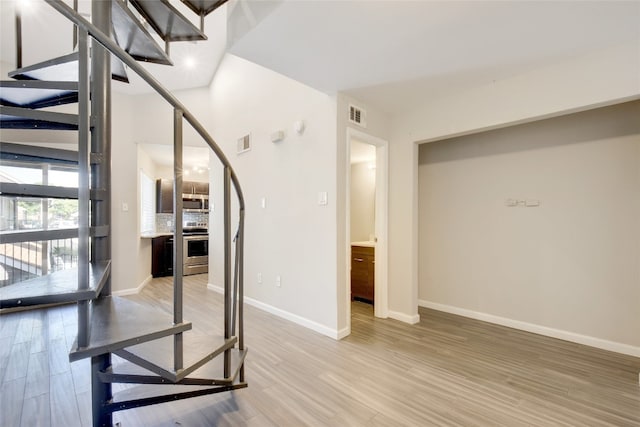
x,y
367,186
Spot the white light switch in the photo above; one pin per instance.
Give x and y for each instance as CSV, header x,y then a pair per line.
x,y
322,198
263,202
125,207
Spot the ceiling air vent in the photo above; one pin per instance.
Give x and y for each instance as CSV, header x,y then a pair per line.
x,y
357,116
244,144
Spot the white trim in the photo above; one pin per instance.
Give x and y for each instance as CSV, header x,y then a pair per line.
x,y
215,288
536,329
299,320
344,332
381,292
406,318
133,291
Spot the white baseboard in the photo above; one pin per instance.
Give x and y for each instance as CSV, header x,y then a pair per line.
x,y
215,288
310,324
536,329
406,318
133,291
344,332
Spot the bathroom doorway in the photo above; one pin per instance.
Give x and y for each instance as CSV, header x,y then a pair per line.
x,y
367,221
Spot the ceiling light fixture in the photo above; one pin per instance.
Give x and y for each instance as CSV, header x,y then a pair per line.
x,y
26,6
190,62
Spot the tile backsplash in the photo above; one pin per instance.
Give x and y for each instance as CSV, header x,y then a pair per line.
x,y
164,221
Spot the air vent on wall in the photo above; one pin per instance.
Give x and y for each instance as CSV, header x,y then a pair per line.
x,y
244,144
357,116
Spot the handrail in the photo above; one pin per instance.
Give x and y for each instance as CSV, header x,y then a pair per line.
x,y
180,112
121,54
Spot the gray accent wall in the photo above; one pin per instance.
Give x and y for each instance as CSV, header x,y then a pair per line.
x,y
570,264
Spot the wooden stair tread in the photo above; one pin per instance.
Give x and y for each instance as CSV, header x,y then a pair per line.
x,y
157,355
167,21
65,69
133,37
116,322
57,287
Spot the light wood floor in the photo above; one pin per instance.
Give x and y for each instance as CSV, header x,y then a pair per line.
x,y
447,370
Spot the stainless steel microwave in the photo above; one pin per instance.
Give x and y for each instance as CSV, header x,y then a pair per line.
x,y
195,202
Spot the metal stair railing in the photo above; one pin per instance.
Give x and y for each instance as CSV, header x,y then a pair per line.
x,y
232,298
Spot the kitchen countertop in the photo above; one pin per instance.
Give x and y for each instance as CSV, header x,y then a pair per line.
x,y
153,235
366,244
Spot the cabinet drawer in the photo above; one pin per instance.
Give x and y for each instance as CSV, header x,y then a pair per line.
x,y
361,251
362,272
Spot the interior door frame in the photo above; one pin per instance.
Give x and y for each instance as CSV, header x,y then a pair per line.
x,y
381,289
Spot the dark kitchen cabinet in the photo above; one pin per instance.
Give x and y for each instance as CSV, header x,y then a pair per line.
x,y
164,196
164,193
162,256
362,273
194,187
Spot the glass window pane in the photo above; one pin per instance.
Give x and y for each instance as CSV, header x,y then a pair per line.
x,y
147,204
63,178
21,175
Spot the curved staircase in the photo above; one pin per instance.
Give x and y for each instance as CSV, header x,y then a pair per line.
x,y
152,342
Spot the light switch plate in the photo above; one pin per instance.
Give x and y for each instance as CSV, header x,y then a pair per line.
x,y
322,198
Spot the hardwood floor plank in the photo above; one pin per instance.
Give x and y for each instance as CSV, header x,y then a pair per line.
x,y
36,412
63,404
17,363
83,400
444,371
12,396
5,354
37,375
58,356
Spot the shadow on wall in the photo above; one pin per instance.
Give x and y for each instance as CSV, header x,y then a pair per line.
x,y
601,123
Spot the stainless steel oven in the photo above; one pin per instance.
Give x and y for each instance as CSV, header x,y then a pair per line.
x,y
196,254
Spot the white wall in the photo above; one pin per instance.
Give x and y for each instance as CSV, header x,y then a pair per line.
x,y
600,78
127,251
363,201
571,264
293,236
145,164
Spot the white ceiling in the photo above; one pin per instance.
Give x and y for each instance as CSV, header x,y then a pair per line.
x,y
394,53
46,35
192,157
391,54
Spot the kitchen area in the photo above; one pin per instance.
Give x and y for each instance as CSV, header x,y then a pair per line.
x,y
195,216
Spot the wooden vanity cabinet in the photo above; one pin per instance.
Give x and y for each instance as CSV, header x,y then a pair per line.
x,y
362,273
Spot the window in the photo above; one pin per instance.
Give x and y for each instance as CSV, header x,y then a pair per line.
x,y
147,204
27,259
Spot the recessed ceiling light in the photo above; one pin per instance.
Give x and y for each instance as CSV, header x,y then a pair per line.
x,y
26,6
190,62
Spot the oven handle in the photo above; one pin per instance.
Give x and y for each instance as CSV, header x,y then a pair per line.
x,y
202,237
